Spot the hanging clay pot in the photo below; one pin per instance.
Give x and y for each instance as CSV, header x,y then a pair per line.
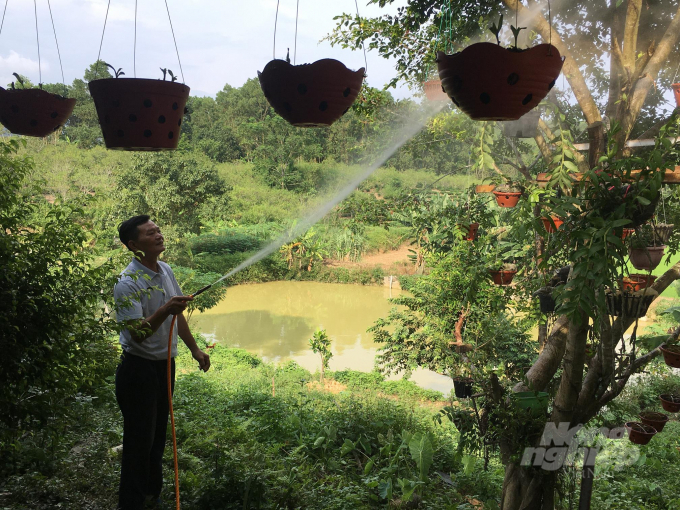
x,y
485,188
462,387
310,95
670,403
434,91
639,433
671,355
656,420
469,230
627,232
489,82
34,112
661,233
646,258
524,127
627,304
676,93
503,276
546,300
137,114
548,225
636,282
507,198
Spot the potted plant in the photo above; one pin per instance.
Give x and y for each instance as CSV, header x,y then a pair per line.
x,y
629,304
661,233
508,195
639,433
310,95
627,232
489,82
469,230
644,254
670,403
552,224
33,111
524,127
656,420
676,93
434,91
462,387
484,188
535,402
636,282
138,114
671,355
546,299
504,275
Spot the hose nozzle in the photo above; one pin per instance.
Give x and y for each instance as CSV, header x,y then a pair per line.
x,y
200,291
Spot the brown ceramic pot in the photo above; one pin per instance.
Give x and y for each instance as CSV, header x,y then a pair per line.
x,y
656,420
670,403
34,112
636,282
434,91
507,198
310,95
646,258
137,114
548,225
502,276
629,304
485,188
489,82
671,355
639,433
470,231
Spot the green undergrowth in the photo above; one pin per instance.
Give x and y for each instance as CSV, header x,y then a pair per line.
x,y
402,388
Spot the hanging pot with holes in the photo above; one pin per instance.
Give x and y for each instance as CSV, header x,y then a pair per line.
x,y
502,276
489,82
138,114
434,91
637,281
670,403
507,198
630,304
34,112
656,420
310,95
552,224
469,231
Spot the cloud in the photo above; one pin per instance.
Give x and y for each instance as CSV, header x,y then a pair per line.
x,y
15,63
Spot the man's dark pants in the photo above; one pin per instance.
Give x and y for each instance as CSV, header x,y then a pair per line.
x,y
142,394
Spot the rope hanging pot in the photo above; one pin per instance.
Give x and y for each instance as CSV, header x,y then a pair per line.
x,y
137,114
433,87
310,95
33,111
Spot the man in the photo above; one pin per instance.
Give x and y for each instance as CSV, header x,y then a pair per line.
x,y
147,296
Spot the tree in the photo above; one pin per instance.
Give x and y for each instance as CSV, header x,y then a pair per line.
x,y
615,53
321,345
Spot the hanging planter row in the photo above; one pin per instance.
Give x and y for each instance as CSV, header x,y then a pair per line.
x,y
652,423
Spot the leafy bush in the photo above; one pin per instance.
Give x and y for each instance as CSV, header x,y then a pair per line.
x,y
226,243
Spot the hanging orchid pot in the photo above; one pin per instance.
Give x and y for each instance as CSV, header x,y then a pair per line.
x,y
469,231
462,387
670,403
137,114
656,420
552,224
489,82
630,304
676,93
507,198
639,433
627,232
524,127
503,276
546,300
661,232
34,112
671,355
646,258
310,95
636,282
433,91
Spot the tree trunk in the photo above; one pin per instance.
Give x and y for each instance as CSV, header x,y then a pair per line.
x,y
528,488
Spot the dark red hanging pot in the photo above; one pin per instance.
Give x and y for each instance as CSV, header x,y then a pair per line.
x,y
639,433
469,231
138,114
34,112
548,224
646,258
656,420
671,355
489,82
434,91
502,276
670,403
310,95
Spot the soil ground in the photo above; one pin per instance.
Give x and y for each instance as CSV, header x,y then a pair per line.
x,y
394,262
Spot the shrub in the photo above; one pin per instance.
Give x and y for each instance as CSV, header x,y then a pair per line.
x,y
227,243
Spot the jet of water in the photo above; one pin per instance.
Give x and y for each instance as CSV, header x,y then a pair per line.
x,y
411,127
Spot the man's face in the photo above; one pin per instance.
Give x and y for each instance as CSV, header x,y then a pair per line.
x,y
149,240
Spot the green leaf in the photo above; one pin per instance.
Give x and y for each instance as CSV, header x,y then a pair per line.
x,y
346,447
385,489
368,466
422,452
319,441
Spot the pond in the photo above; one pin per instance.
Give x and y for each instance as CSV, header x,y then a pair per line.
x,y
275,321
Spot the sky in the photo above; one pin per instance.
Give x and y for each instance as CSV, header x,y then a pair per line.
x,y
220,41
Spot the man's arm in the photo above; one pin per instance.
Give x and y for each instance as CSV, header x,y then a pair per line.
x,y
188,339
147,326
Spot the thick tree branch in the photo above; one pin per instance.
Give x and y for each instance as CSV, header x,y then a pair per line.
x,y
630,34
572,371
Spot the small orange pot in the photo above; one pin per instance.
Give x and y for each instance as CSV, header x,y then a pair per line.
x,y
507,198
470,231
626,232
485,188
502,276
637,281
549,226
434,91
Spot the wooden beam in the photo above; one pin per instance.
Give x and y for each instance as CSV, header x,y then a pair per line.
x,y
671,177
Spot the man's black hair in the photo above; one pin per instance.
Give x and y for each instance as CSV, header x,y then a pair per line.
x,y
128,231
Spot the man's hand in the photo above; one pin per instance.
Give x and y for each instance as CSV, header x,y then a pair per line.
x,y
203,359
177,304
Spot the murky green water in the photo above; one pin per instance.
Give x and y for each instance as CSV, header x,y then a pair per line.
x,y
275,321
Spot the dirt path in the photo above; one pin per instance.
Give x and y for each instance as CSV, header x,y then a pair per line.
x,y
395,261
